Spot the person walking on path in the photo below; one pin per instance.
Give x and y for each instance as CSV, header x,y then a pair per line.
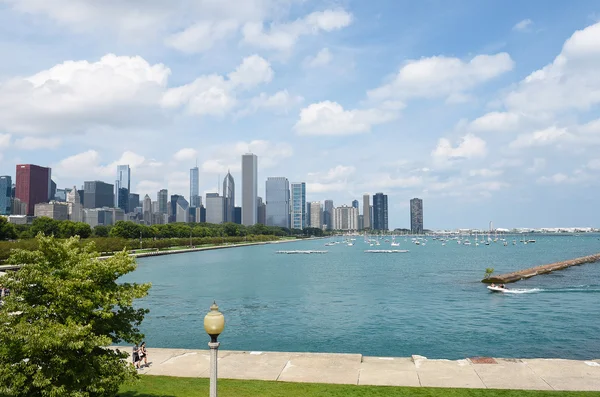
x,y
136,356
143,354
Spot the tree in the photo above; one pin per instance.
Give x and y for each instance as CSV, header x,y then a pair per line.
x,y
45,225
101,231
488,272
7,230
65,308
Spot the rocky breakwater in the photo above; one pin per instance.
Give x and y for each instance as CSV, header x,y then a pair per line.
x,y
543,269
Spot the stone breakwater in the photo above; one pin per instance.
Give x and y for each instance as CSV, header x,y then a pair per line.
x,y
543,269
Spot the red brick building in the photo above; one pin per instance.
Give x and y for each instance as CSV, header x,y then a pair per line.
x,y
32,185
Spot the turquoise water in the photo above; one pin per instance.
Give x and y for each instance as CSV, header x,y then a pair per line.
x,y
429,301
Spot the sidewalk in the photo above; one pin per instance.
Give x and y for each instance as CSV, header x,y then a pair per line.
x,y
534,374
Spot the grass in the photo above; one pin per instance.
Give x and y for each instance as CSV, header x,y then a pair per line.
x,y
165,386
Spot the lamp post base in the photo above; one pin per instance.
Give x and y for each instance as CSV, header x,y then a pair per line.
x,y
214,348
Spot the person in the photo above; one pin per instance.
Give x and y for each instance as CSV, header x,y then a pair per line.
x,y
143,354
493,285
136,356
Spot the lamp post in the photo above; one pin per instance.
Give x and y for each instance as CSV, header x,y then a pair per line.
x,y
214,323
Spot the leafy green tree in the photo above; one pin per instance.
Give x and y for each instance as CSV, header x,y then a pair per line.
x,y
7,230
101,231
83,230
45,225
65,308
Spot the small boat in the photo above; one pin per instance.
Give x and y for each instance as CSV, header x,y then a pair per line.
x,y
530,241
496,288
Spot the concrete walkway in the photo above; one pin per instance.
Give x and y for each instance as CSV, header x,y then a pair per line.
x,y
534,374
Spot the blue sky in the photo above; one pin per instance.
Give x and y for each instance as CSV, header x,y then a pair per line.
x,y
486,110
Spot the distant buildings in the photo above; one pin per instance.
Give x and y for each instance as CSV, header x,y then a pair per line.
x,y
366,211
355,203
277,202
416,216
380,212
315,214
345,218
249,189
215,208
75,208
195,187
163,198
182,209
261,211
298,205
237,215
98,194
229,197
134,201
33,185
328,214
5,195
147,210
122,187
54,210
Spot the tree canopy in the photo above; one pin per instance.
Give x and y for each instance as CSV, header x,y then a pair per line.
x,y
7,230
64,309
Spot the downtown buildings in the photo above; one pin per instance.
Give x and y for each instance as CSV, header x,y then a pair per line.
x,y
298,205
416,216
249,189
277,193
33,186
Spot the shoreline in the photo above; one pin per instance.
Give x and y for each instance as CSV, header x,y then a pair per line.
x,y
356,369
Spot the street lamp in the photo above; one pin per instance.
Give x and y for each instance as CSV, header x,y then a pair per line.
x,y
214,323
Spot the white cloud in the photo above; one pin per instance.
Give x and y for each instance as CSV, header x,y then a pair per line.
x,y
227,156
254,70
594,164
333,180
185,154
202,35
440,76
283,37
34,143
74,95
570,82
4,140
330,118
495,121
543,137
469,147
508,163
556,179
485,172
282,101
523,25
322,58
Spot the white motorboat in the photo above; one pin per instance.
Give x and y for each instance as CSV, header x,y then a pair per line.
x,y
496,288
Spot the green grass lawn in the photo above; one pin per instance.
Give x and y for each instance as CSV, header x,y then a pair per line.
x,y
164,386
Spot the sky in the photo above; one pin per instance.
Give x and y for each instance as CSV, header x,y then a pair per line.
x,y
488,111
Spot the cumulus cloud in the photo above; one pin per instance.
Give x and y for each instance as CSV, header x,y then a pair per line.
x,y
441,76
280,102
34,143
485,172
185,154
4,140
470,146
322,58
330,118
495,121
202,35
283,37
543,137
227,156
523,26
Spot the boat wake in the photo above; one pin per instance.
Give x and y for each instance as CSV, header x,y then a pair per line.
x,y
579,289
522,290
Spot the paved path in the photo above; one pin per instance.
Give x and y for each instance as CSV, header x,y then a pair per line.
x,y
535,374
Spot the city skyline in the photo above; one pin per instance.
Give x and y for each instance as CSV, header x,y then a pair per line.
x,y
491,112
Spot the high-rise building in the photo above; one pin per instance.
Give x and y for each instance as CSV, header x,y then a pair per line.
x,y
98,194
182,209
361,222
328,214
278,201
380,211
416,216
53,210
237,215
75,207
134,201
61,195
261,211
355,203
33,185
147,210
315,214
307,216
163,198
194,187
123,182
367,211
345,218
52,189
229,197
123,199
249,189
215,208
5,195
298,205
173,209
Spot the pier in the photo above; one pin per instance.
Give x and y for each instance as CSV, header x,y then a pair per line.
x,y
385,251
543,269
301,252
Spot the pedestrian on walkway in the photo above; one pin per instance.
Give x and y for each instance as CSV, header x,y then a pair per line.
x,y
136,356
143,354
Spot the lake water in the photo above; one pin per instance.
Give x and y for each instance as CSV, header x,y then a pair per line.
x,y
429,301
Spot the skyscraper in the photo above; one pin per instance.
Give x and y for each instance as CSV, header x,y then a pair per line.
x,y
249,189
367,211
5,193
229,197
98,194
215,208
33,185
380,211
315,214
298,205
147,210
75,208
355,203
123,199
328,214
345,218
278,202
182,209
123,182
163,198
173,209
261,211
416,216
194,187
134,201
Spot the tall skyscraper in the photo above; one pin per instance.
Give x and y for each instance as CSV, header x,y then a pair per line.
x,y
315,214
416,216
33,185
328,214
173,209
5,193
367,211
249,189
345,218
123,182
229,197
278,202
355,203
182,209
98,194
261,211
147,210
215,208
380,211
298,205
134,201
75,208
307,224
163,198
123,200
194,187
